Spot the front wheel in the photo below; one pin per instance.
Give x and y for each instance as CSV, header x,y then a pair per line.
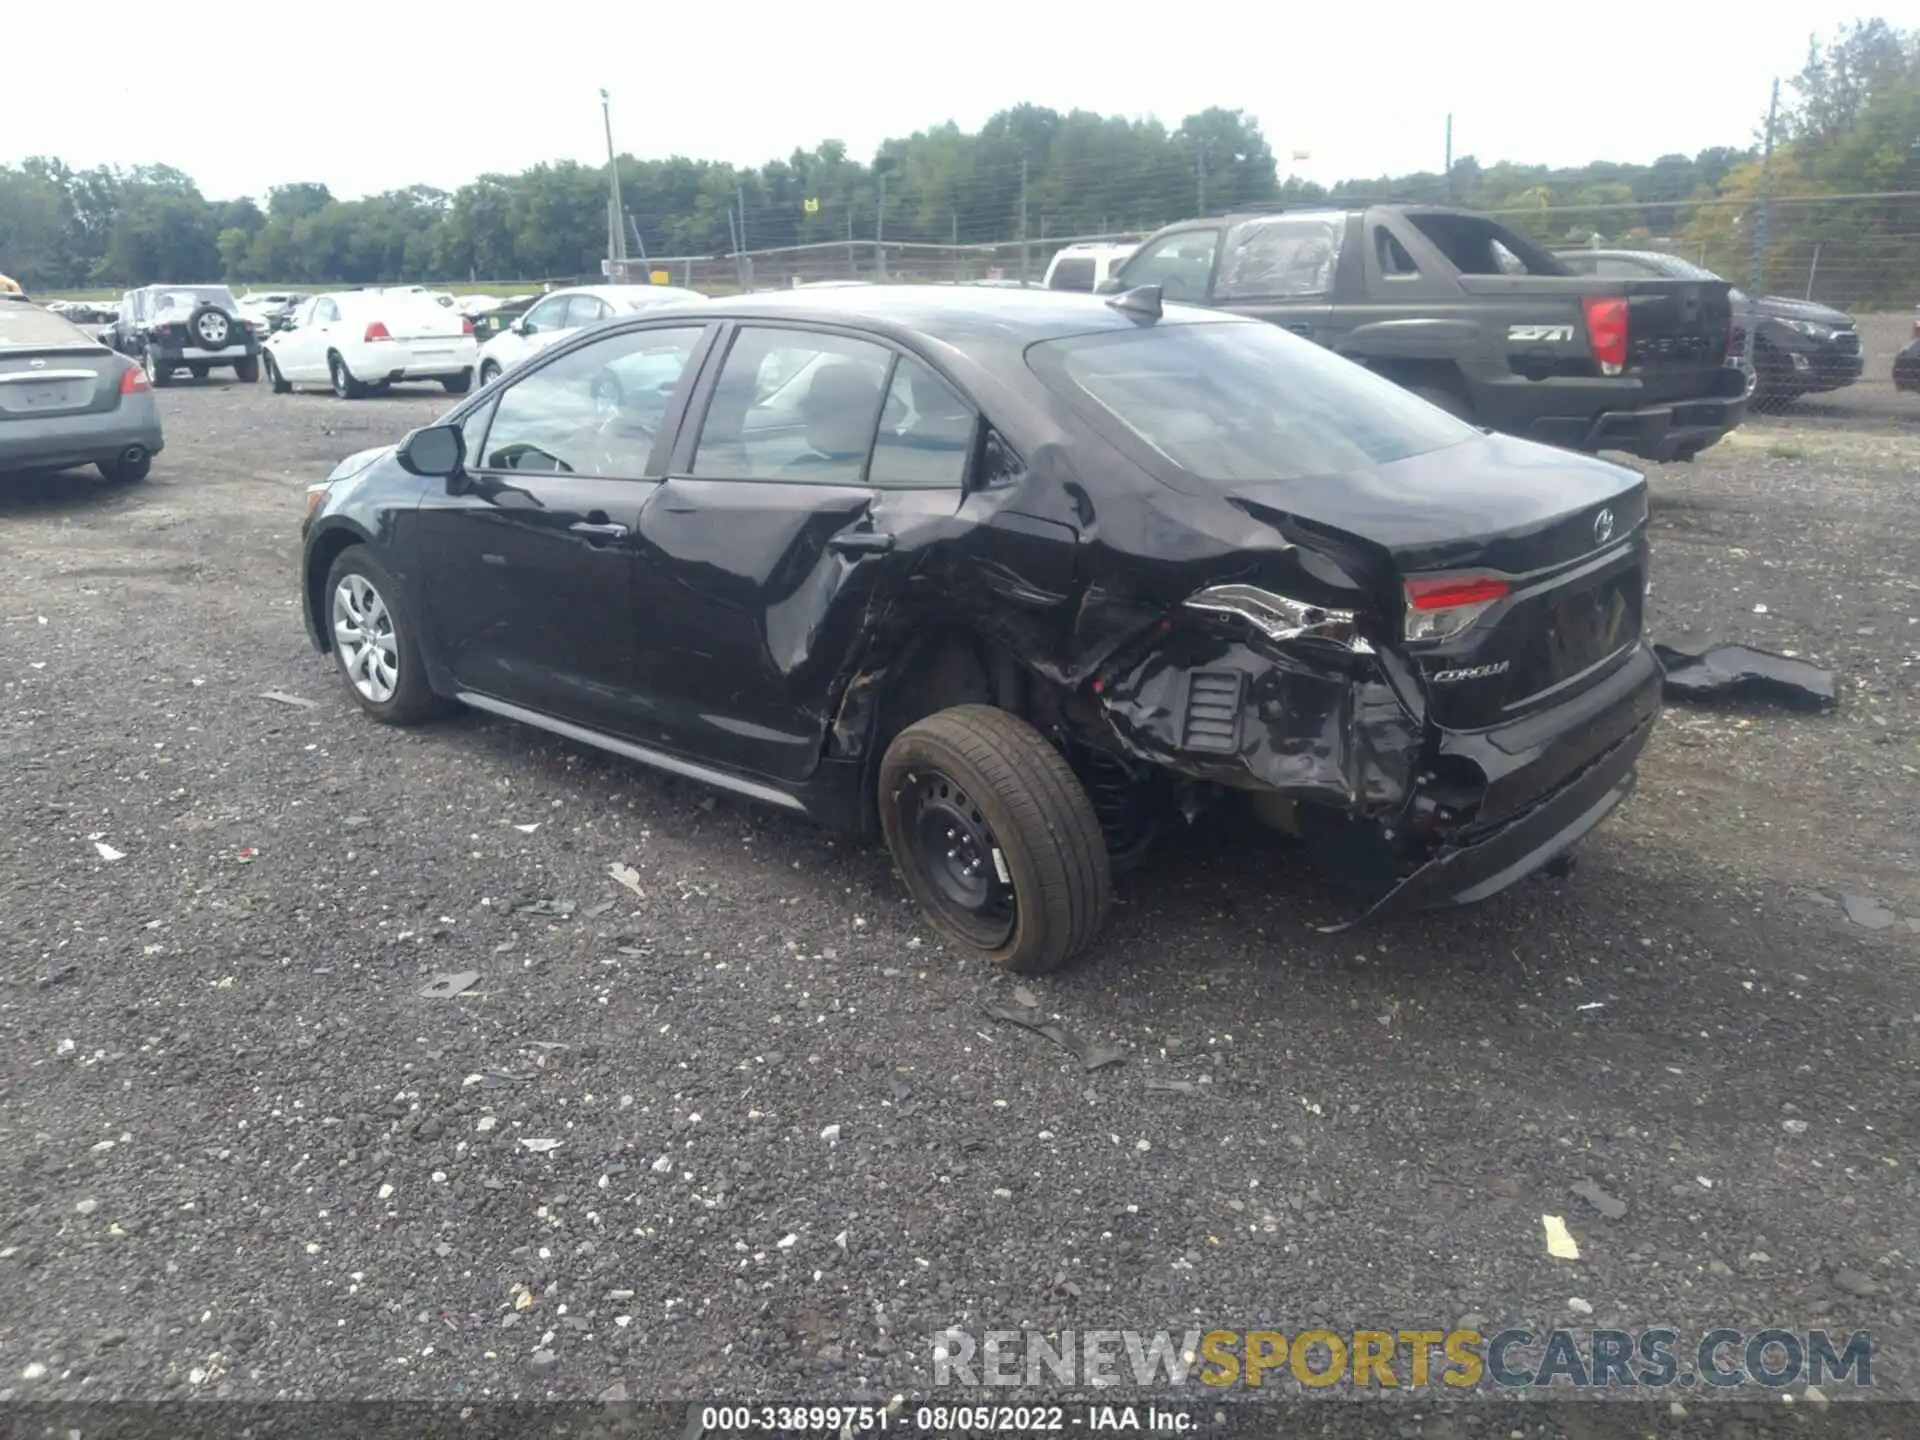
x,y
458,384
279,382
247,371
489,372
995,838
198,372
370,626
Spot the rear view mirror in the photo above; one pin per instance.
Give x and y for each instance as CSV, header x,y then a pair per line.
x,y
436,451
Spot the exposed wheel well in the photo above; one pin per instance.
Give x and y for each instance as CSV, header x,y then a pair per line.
x,y
1425,375
326,550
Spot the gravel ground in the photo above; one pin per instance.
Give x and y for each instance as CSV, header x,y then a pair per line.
x,y
246,1157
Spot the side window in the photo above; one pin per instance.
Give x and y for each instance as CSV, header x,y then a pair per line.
x,y
926,432
549,314
584,310
1618,269
1073,274
1181,264
325,312
592,411
1395,262
1287,258
793,405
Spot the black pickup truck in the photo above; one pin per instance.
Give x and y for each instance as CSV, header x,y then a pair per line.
x,y
1474,317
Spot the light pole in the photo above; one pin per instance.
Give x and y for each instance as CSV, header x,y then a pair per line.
x,y
616,212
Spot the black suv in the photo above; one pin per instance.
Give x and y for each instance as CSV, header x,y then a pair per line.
x,y
195,328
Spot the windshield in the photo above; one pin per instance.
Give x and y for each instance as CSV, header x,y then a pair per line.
x,y
188,297
1682,269
1245,401
28,327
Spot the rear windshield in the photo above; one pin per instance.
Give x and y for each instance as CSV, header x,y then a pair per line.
x,y
1072,275
1245,401
28,327
189,297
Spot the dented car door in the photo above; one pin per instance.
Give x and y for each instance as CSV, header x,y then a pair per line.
x,y
815,470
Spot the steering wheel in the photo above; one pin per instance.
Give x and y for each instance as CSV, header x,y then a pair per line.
x,y
508,457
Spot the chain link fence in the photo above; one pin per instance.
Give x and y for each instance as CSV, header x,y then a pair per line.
x,y
1829,284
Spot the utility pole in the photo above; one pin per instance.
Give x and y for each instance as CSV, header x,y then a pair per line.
x,y
880,228
1200,178
1023,219
741,195
1447,174
1763,220
616,213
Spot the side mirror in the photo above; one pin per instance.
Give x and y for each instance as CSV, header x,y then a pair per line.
x,y
1109,286
434,451
521,327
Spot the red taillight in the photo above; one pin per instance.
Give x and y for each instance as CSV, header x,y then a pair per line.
x,y
376,331
1607,331
466,327
1443,608
134,381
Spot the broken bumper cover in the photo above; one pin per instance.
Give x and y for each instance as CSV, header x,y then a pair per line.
x,y
1528,842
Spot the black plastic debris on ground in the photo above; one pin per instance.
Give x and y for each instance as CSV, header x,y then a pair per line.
x,y
1093,1057
1740,672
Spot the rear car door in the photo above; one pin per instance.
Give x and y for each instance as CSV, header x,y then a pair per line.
x,y
1283,268
529,556
815,468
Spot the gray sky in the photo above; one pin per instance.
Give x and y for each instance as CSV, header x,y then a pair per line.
x,y
367,97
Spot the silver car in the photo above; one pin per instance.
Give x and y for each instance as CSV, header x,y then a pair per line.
x,y
67,400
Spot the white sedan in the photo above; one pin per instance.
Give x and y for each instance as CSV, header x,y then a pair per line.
x,y
565,311
356,341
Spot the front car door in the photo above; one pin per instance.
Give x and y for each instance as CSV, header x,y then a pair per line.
x,y
529,554
303,355
1283,268
815,468
539,328
1179,262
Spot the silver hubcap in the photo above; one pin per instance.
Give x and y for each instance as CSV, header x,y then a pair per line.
x,y
364,639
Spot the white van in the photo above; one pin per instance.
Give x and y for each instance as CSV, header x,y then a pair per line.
x,y
1082,267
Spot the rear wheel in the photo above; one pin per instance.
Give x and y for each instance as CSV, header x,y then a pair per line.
x,y
370,627
344,385
158,373
247,371
274,377
489,372
127,472
459,384
995,838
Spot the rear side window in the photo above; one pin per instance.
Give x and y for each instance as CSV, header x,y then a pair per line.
x,y
1475,245
28,327
1244,402
1285,258
926,432
1074,274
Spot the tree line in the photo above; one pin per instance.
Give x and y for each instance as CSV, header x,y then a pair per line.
x,y
1850,124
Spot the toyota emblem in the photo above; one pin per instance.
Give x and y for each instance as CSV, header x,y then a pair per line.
x,y
1603,527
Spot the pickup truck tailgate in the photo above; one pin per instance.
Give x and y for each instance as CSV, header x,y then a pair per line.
x,y
1677,323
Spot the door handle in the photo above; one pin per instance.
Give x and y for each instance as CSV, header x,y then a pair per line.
x,y
1300,329
861,542
596,531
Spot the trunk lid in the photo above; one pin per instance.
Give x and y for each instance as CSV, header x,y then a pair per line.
x,y
65,380
1565,532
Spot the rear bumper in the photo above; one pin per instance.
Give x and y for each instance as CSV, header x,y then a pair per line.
x,y
1609,415
193,355
60,442
1528,838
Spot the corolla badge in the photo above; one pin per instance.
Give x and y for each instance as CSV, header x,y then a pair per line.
x,y
36,364
1603,527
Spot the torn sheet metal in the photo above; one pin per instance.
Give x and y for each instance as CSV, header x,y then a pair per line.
x,y
1327,728
1740,672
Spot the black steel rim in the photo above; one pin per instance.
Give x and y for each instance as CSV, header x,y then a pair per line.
x,y
956,853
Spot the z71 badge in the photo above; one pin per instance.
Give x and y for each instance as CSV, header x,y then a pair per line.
x,y
1538,334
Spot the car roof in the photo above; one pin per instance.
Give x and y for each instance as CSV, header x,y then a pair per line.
x,y
964,317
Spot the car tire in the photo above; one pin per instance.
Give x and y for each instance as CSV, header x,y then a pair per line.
x,y
158,374
247,371
460,384
972,785
199,372
124,472
211,326
391,685
489,372
344,385
278,382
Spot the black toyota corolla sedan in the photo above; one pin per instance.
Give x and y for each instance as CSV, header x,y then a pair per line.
x,y
1012,578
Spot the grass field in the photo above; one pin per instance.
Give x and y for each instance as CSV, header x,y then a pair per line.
x,y
484,287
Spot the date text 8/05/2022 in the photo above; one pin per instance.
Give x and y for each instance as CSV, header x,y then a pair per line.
x,y
1156,1419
